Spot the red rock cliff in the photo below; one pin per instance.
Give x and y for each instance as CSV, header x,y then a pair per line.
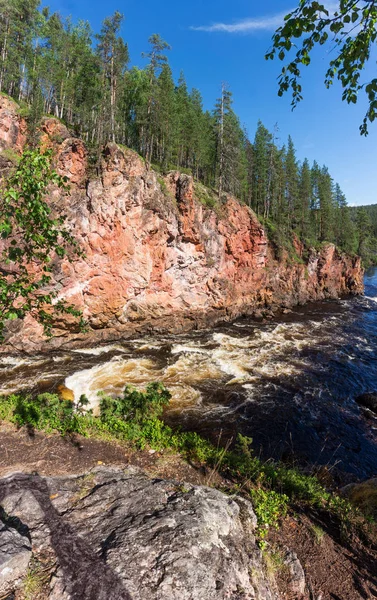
x,y
158,259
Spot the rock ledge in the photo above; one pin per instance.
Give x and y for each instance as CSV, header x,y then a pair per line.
x,y
117,534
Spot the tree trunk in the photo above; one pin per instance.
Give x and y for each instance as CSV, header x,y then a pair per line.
x,y
221,141
4,54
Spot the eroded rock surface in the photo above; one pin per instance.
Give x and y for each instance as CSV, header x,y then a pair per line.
x,y
12,126
157,258
116,534
15,555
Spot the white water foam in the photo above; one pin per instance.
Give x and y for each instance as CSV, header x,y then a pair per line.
x,y
111,377
100,350
179,349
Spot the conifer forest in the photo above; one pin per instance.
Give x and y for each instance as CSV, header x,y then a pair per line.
x,y
53,66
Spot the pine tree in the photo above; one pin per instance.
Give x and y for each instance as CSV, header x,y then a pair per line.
x,y
18,22
279,208
364,231
165,116
304,201
344,230
262,150
249,155
222,109
200,137
326,220
135,101
113,54
292,183
230,167
183,122
157,60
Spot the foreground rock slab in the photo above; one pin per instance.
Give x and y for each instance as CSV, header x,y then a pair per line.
x,y
114,534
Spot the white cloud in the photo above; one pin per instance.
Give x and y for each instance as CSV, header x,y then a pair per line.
x,y
269,23
251,25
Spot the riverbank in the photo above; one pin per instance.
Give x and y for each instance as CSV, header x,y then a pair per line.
x,y
289,383
336,562
325,546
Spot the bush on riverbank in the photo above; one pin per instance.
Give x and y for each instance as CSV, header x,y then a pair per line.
x,y
135,417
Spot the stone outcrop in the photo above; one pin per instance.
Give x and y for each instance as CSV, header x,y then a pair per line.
x,y
157,258
12,126
15,556
118,535
364,496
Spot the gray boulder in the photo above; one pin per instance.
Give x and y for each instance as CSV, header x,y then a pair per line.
x,y
119,535
15,554
297,580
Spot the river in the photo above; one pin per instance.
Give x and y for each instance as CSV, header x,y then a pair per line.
x,y
289,383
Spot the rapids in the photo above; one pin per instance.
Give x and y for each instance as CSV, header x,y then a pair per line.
x,y
289,383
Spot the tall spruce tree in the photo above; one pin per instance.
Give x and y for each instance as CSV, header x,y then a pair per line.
x,y
292,184
113,54
157,60
304,202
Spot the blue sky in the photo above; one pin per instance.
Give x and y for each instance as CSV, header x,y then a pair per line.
x,y
322,127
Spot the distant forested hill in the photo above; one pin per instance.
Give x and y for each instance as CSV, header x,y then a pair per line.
x,y
364,219
372,213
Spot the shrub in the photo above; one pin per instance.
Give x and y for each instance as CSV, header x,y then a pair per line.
x,y
136,417
205,195
135,406
269,507
48,412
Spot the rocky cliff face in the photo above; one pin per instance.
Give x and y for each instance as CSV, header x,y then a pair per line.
x,y
12,126
156,258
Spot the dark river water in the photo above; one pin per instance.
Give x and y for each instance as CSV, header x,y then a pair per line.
x,y
290,383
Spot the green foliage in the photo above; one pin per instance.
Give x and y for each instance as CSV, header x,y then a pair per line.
x,y
46,412
351,30
204,195
135,406
281,242
163,186
364,219
269,507
31,236
135,417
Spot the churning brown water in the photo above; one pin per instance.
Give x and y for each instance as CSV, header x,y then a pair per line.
x,y
290,384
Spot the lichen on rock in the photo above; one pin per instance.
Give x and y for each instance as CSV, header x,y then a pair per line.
x,y
118,534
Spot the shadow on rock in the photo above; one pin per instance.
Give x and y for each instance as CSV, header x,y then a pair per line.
x,y
85,575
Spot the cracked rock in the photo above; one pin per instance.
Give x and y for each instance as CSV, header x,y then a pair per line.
x,y
15,554
120,535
